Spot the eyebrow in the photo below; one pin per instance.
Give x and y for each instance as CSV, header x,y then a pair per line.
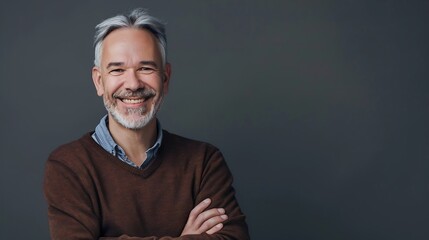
x,y
118,64
114,64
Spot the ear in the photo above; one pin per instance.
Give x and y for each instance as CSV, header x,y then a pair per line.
x,y
166,77
98,82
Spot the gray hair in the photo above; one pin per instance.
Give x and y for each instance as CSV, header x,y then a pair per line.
x,y
138,18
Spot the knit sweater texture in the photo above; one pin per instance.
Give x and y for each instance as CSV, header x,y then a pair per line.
x,y
91,194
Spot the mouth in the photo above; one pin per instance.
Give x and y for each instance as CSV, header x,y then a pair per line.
x,y
133,100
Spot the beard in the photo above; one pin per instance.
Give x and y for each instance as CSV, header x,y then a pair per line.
x,y
134,118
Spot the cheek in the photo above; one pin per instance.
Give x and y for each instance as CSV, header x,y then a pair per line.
x,y
109,91
110,88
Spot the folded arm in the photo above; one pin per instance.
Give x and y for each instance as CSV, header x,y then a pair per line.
x,y
73,214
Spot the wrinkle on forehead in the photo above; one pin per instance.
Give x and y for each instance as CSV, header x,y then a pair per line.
x,y
130,46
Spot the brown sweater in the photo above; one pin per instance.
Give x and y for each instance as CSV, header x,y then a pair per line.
x,y
93,195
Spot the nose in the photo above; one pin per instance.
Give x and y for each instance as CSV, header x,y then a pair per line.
x,y
132,81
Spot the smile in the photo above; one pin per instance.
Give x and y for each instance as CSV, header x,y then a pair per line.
x,y
133,101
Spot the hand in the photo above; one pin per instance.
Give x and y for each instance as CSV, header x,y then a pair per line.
x,y
209,221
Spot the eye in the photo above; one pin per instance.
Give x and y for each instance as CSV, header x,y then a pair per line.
x,y
116,71
146,70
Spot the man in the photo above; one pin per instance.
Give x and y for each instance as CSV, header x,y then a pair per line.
x,y
129,179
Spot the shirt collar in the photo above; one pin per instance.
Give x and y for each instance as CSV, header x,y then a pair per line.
x,y
103,137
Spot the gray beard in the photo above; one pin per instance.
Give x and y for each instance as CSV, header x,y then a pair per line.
x,y
134,124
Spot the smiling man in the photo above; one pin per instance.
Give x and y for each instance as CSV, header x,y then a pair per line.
x,y
130,179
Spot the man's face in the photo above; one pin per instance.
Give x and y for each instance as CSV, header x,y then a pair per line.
x,y
131,77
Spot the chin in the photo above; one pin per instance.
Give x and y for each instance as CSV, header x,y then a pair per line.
x,y
133,122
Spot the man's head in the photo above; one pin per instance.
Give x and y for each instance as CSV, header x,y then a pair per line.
x,y
131,70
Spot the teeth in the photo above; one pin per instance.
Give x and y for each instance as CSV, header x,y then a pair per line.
x,y
125,100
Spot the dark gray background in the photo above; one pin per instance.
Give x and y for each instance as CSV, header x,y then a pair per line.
x,y
320,107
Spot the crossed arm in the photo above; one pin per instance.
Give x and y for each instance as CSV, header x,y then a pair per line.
x,y
75,216
201,220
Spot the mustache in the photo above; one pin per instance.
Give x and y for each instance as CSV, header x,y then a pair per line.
x,y
139,93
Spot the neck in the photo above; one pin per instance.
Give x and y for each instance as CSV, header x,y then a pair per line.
x,y
135,142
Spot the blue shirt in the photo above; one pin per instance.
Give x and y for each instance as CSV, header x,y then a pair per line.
x,y
104,139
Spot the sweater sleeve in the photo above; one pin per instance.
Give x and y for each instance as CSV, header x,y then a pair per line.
x,y
216,183
71,212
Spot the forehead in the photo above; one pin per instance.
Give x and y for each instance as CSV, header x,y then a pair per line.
x,y
130,44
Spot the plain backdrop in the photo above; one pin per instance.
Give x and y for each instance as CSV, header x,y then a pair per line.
x,y
320,107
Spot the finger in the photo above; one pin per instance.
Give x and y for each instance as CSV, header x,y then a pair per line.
x,y
212,222
197,210
214,229
206,215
